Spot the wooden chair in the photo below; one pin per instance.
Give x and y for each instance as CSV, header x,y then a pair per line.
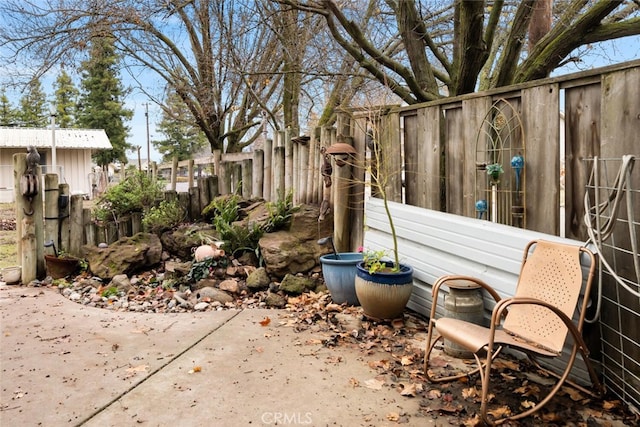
x,y
535,321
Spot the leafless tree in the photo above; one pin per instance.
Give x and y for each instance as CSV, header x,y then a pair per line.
x,y
425,49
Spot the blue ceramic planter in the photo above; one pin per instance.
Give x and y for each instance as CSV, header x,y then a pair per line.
x,y
383,296
340,274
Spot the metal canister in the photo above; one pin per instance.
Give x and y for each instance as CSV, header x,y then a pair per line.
x,y
463,302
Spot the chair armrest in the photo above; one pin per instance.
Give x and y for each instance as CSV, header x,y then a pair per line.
x,y
500,310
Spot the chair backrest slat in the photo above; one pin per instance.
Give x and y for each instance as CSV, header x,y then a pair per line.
x,y
551,273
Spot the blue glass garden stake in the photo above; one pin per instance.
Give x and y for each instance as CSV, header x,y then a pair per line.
x,y
481,207
517,163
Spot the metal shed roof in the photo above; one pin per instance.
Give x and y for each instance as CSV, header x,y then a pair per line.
x,y
65,138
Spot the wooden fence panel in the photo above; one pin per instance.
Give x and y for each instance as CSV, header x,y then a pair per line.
x,y
582,141
455,149
473,114
541,121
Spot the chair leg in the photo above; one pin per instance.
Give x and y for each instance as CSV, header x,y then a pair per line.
x,y
562,379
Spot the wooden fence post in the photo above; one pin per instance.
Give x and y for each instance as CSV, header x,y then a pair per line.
x,y
268,170
288,162
224,180
51,212
203,190
194,199
65,227
303,172
213,187
279,187
29,227
258,174
247,180
295,168
190,172
174,173
217,156
89,227
76,238
311,178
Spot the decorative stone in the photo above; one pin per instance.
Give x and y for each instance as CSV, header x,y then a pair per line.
x,y
230,285
258,280
296,285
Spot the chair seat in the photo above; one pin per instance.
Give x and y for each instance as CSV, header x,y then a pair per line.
x,y
474,337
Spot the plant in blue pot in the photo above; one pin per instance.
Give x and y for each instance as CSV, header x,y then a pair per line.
x,y
339,272
383,284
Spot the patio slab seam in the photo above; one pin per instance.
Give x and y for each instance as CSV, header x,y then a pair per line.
x,y
155,371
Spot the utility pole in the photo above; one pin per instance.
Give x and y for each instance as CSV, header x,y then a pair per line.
x,y
146,114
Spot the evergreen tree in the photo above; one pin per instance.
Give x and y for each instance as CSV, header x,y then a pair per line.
x,y
33,112
7,112
66,98
101,103
183,137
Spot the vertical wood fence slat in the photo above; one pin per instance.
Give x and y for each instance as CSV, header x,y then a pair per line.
x,y
288,162
76,238
257,174
51,192
89,228
582,141
247,180
540,106
278,173
224,178
174,173
268,170
65,226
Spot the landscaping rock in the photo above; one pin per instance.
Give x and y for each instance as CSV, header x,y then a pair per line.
x,y
274,300
258,280
295,250
296,285
125,256
122,282
230,285
209,294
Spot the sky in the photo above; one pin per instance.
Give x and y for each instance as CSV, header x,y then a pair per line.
x,y
612,52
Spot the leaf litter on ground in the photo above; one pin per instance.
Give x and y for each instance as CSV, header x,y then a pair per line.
x,y
396,351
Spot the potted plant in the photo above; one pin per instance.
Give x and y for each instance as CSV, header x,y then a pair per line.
x,y
60,264
383,284
339,272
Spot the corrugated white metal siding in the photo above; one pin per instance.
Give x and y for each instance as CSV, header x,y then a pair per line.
x,y
436,243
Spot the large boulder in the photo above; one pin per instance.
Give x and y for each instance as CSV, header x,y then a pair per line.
x,y
127,256
296,250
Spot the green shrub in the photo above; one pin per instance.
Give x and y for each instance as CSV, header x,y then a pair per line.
x,y
165,216
136,193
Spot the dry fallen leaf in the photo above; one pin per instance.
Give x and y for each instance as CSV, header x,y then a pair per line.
x,y
406,360
470,392
410,389
195,369
527,404
610,404
393,416
374,384
500,412
434,393
265,321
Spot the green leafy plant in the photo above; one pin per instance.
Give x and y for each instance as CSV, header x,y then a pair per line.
x,y
203,269
494,170
110,291
280,213
136,193
165,216
377,261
